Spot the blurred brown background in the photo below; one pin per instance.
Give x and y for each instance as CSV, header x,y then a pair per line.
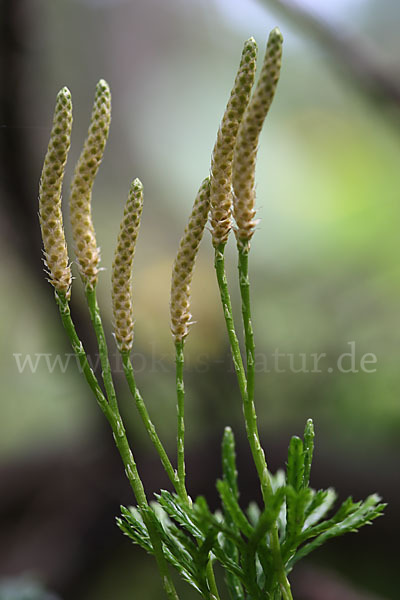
x,y
325,276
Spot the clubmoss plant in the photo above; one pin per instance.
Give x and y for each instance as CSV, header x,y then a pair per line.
x,y
258,547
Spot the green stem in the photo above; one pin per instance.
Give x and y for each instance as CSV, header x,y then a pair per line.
x,y
180,394
249,406
248,402
113,418
219,264
103,350
131,470
140,495
244,284
151,430
211,581
80,353
247,387
115,422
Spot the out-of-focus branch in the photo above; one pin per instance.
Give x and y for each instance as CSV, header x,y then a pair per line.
x,y
353,53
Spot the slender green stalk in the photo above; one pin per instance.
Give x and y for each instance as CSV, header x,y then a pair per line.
x,y
116,423
245,390
180,394
113,418
135,481
211,581
248,408
131,470
219,264
150,428
63,306
244,284
103,350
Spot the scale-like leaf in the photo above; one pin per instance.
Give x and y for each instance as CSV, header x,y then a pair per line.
x,y
295,464
269,515
229,469
230,475
308,451
231,506
258,544
296,504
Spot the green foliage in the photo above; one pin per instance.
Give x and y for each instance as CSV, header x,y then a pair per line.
x,y
240,541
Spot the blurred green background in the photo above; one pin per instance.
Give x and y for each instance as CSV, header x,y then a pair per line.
x,y
325,274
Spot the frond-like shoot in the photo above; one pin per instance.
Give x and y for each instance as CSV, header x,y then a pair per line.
x,y
245,155
50,215
222,157
121,278
184,263
86,250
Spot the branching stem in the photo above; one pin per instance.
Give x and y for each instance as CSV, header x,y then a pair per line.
x,y
114,418
248,405
77,347
246,386
150,428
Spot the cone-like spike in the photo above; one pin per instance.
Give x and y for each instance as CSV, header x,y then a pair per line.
x,y
122,302
184,263
222,157
86,250
50,215
245,156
